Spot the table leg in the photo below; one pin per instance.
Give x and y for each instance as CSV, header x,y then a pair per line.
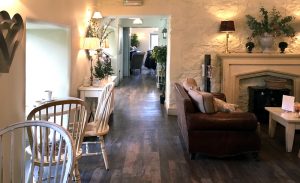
x,y
289,136
272,126
91,116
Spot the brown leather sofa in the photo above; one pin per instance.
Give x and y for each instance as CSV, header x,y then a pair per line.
x,y
219,134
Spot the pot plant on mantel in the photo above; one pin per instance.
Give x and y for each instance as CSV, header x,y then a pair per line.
x,y
271,25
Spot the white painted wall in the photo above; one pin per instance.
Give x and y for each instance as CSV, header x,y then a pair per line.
x,y
48,63
144,37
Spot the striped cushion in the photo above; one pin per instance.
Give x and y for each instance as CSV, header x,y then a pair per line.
x,y
203,100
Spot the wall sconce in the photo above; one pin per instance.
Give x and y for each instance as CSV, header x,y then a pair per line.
x,y
97,15
91,44
164,33
227,26
132,2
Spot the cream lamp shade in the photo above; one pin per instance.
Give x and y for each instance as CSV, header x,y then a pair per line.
x,y
91,43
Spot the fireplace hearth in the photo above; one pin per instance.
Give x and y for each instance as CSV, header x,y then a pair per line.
x,y
261,97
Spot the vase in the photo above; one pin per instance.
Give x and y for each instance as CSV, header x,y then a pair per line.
x,y
266,42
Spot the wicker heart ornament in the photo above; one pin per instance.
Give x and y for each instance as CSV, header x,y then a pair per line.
x,y
11,33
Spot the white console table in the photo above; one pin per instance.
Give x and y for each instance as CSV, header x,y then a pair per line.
x,y
94,91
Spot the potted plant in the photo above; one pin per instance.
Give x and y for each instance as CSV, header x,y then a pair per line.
x,y
282,45
159,53
134,41
250,45
271,25
103,68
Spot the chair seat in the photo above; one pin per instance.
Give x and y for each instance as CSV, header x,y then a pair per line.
x,y
91,130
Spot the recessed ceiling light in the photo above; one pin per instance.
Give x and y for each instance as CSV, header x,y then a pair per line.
x,y
137,21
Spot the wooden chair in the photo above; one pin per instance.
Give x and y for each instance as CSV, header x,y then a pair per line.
x,y
49,149
72,115
99,127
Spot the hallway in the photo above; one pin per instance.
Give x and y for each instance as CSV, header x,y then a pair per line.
x,y
144,145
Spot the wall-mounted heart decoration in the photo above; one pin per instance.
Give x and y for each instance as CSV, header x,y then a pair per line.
x,y
11,33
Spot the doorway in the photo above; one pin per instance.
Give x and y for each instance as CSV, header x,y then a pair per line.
x,y
47,61
149,34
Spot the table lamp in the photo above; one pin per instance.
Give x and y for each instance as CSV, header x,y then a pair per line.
x,y
91,44
227,26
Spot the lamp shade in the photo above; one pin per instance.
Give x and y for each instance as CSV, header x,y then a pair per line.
x,y
91,43
227,26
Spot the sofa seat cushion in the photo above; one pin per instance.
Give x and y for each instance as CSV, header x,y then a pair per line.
x,y
243,121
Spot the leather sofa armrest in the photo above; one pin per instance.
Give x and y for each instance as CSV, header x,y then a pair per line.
x,y
243,121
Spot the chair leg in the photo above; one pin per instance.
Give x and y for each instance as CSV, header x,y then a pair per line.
x,y
192,156
101,140
76,174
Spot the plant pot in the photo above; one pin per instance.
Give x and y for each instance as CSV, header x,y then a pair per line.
x,y
162,99
266,42
282,45
249,46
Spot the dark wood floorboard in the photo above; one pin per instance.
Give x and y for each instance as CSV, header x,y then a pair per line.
x,y
144,145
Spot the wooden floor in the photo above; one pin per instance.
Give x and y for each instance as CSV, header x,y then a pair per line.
x,y
144,145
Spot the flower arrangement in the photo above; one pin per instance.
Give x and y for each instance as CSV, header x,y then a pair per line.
x,y
99,29
272,23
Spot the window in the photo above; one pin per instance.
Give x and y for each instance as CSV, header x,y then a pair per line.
x,y
153,40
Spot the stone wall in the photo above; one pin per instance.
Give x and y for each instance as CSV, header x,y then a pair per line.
x,y
203,37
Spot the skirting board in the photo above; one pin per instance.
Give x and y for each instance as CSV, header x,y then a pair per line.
x,y
171,111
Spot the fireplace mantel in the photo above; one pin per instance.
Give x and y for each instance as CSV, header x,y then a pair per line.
x,y
237,66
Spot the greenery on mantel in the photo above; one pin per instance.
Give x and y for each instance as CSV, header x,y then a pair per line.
x,y
272,23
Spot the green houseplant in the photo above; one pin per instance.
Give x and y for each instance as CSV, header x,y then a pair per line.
x,y
272,24
159,53
134,40
103,68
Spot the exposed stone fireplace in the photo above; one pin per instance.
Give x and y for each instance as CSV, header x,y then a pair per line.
x,y
242,70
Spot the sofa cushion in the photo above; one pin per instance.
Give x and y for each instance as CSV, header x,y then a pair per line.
x,y
222,121
203,100
189,83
